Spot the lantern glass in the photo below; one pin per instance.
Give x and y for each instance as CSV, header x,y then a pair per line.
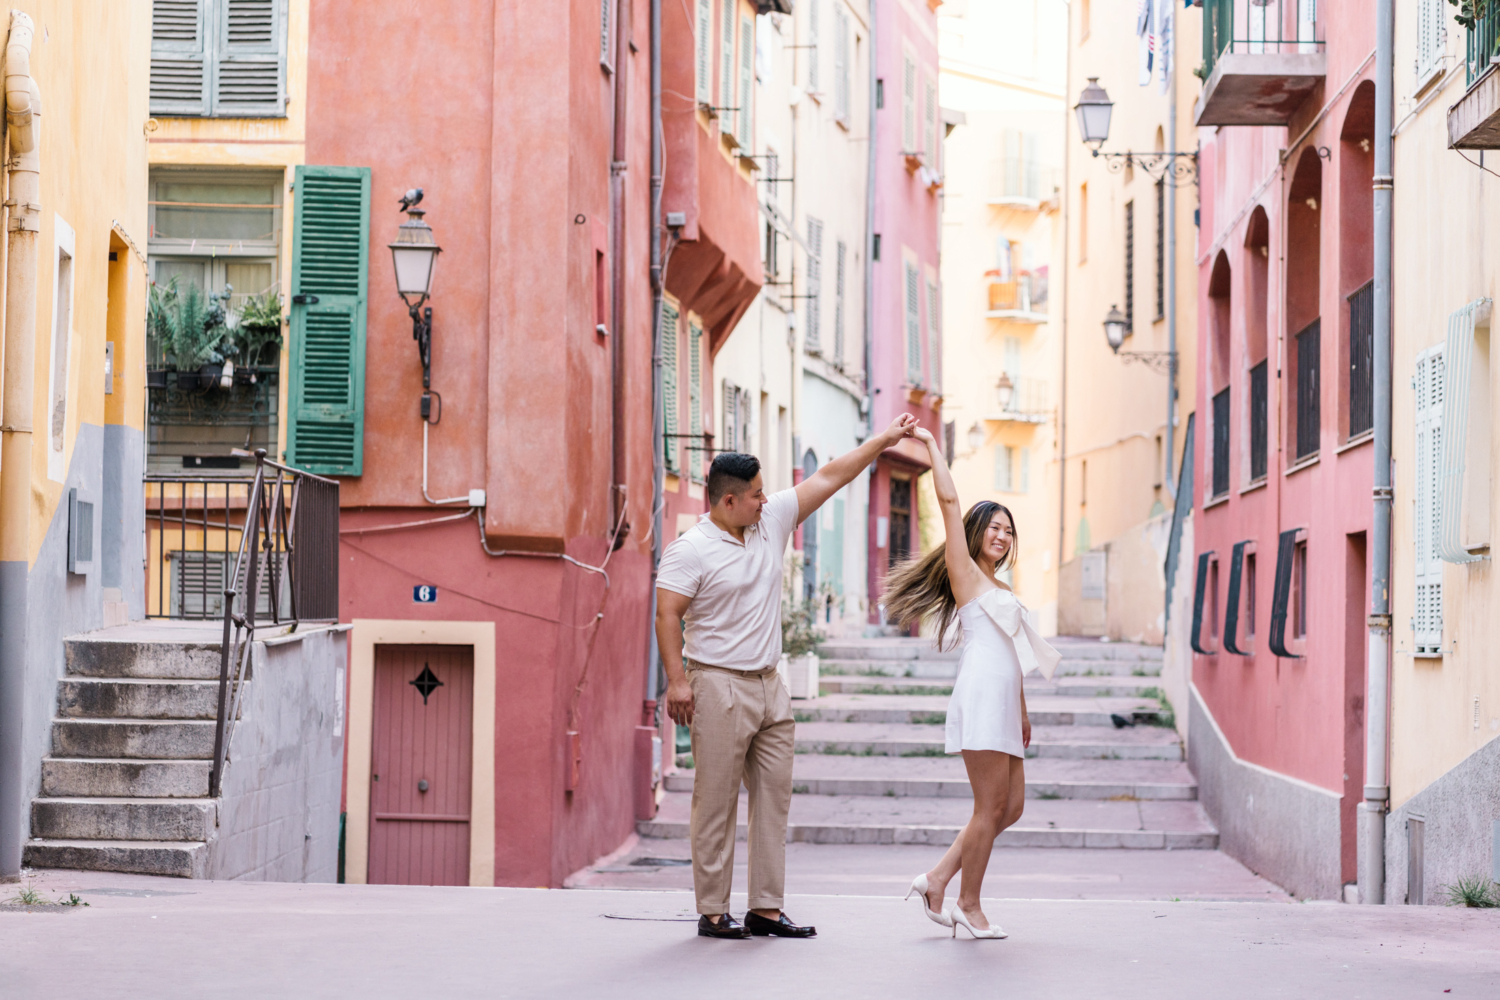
x,y
414,255
1093,109
1114,328
1005,392
976,437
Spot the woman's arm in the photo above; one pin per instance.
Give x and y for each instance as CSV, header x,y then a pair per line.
x,y
962,573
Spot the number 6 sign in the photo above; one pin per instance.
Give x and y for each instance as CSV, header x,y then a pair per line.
x,y
424,594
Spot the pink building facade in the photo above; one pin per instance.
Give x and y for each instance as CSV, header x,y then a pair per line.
x,y
906,325
1283,443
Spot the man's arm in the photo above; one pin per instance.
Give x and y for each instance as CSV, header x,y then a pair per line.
x,y
670,609
814,491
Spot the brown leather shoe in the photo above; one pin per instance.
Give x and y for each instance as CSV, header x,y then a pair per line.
x,y
782,926
727,927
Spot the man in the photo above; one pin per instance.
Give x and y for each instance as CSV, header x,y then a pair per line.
x,y
722,579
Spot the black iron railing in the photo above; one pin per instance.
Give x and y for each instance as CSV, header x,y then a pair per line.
x,y
1362,360
1259,27
275,537
1309,382
1483,43
1221,443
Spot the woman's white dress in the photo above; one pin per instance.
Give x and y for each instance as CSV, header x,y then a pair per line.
x,y
999,645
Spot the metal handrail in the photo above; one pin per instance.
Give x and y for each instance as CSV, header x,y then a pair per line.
x,y
1483,41
275,508
1259,27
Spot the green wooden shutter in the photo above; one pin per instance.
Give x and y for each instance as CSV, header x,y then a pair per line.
x,y
249,79
695,401
726,66
747,81
330,263
179,37
671,392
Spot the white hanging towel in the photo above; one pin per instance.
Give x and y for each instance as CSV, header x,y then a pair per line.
x,y
1162,60
1143,25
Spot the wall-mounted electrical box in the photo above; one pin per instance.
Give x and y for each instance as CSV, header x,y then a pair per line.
x,y
80,534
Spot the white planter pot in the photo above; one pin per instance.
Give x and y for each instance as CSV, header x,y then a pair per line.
x,y
802,675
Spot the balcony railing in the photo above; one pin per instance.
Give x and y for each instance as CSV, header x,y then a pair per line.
x,y
214,541
1022,297
1259,27
1483,43
1030,402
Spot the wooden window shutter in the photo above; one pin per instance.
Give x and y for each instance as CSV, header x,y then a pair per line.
x,y
742,406
909,106
747,81
841,64
330,274
840,252
695,400
179,56
1428,618
913,325
1430,38
929,122
730,439
249,79
726,64
812,47
604,31
671,391
814,338
934,336
705,43
1002,468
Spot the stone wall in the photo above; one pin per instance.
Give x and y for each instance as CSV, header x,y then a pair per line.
x,y
1459,812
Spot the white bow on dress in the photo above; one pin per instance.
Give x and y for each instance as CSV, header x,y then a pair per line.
x,y
1009,614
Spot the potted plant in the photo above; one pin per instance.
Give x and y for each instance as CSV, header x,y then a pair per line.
x,y
190,330
799,640
257,331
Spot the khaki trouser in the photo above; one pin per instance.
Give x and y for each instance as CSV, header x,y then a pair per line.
x,y
742,731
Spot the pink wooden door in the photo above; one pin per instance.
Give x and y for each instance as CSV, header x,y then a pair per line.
x,y
421,766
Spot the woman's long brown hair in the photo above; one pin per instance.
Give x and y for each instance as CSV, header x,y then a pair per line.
x,y
921,588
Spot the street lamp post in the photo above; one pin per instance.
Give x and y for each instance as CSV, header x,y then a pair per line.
x,y
414,255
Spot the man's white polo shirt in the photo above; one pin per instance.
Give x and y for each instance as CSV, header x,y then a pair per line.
x,y
734,619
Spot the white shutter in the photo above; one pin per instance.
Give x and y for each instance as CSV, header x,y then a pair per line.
x,y
729,438
1025,486
1003,455
671,393
726,65
841,64
1428,617
249,79
909,106
695,401
604,30
747,81
929,123
179,45
812,48
1430,37
1458,366
913,325
814,339
934,336
705,51
840,252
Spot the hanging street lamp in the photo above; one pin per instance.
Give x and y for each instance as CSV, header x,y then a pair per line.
x,y
1005,391
414,254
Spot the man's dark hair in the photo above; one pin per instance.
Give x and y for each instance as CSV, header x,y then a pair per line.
x,y
731,472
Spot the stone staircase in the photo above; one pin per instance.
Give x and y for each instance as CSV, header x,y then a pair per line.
x,y
870,766
126,785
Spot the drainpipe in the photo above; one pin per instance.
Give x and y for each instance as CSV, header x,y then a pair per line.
x,y
869,242
658,418
1377,698
617,168
1171,434
23,111
1062,340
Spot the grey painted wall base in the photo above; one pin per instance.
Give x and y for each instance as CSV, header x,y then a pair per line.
x,y
1459,812
279,815
1281,828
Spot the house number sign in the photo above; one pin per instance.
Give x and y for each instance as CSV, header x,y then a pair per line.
x,y
424,594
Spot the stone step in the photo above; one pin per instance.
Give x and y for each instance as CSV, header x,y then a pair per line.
x,y
73,777
183,859
1060,742
1090,687
946,778
923,650
123,819
833,819
137,698
948,669
1046,710
136,738
123,657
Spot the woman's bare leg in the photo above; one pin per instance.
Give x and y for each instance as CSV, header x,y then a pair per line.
x,y
994,777
943,872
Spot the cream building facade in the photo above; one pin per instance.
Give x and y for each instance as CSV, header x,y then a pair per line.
x,y
1002,67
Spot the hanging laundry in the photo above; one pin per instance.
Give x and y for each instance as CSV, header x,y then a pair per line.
x,y
1162,61
1144,18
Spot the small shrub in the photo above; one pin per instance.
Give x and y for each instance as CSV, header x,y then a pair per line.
x,y
1474,890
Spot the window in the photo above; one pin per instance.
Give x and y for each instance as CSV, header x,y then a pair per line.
x,y
704,54
901,504
601,293
773,267
1004,461
909,105
604,19
726,65
1465,453
1362,360
736,436
214,232
1309,366
671,391
1213,602
1431,38
1129,267
1249,599
218,58
1221,443
841,65
61,347
1021,175
696,443
1282,598
1299,591
841,251
913,325
1427,622
1083,223
747,81
1259,413
814,85
1161,248
813,339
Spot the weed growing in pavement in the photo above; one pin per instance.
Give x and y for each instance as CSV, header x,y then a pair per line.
x,y
872,671
1049,795
910,672
929,718
1474,890
799,789
804,717
1167,717
890,793
925,752
1150,692
1139,672
685,761
844,750
29,896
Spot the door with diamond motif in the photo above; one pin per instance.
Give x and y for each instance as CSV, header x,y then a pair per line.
x,y
421,765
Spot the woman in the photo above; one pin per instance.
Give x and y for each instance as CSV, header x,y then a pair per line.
x,y
987,720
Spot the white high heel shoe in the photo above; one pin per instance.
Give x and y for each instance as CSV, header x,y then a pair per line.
x,y
956,919
919,887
